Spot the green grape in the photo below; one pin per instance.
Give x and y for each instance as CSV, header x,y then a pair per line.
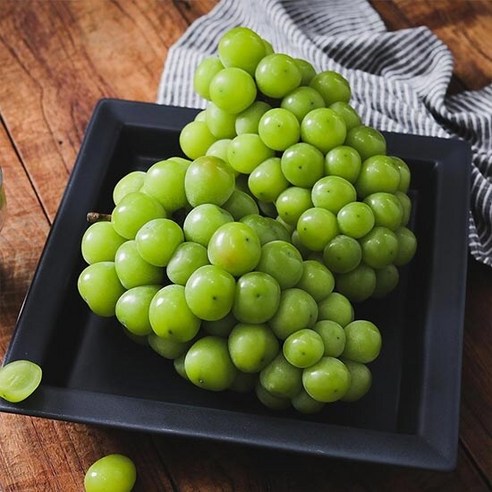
x,y
360,380
257,298
277,75
208,364
100,242
355,219
282,261
332,193
209,292
244,382
207,69
342,254
292,203
301,101
296,241
247,121
387,279
132,309
129,183
232,90
112,473
220,149
209,180
195,139
133,270
220,123
348,113
165,182
19,379
302,165
220,327
240,205
316,280
326,381
246,152
242,48
406,204
267,180
139,339
332,86
266,228
271,401
405,174
297,310
235,247
324,129
363,341
336,307
358,284
333,336
316,228
387,209
303,348
252,347
306,69
378,173
202,222
268,209
407,246
100,287
187,258
379,247
268,47
170,316
343,161
169,349
367,141
279,129
303,403
280,378
133,211
179,366
157,240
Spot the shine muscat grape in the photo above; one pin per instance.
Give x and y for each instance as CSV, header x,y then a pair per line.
x,y
242,261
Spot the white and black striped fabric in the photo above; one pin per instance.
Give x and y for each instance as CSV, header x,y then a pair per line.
x,y
398,79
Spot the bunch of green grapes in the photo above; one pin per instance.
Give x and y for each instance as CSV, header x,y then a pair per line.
x,y
241,263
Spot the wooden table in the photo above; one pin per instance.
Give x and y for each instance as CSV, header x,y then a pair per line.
x,y
57,58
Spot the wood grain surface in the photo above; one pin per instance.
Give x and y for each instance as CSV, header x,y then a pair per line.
x,y
57,58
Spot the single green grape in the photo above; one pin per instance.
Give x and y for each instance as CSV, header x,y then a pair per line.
x,y
304,403
220,149
316,280
246,152
407,246
100,242
358,284
208,364
387,279
247,121
100,287
333,193
405,174
169,349
179,366
292,203
279,129
332,86
348,113
324,129
316,228
195,139
336,307
266,228
301,101
202,221
281,378
187,258
355,219
132,309
342,254
19,379
267,180
220,123
406,204
363,341
271,401
326,381
240,205
232,90
111,473
379,247
252,347
343,161
277,74
302,165
303,348
367,141
306,69
360,380
387,209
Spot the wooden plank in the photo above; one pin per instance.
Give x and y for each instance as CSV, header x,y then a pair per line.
x,y
464,26
59,58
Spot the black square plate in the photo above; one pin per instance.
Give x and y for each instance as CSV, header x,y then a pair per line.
x,y
93,373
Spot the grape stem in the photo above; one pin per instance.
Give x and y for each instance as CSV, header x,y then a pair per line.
x,y
93,217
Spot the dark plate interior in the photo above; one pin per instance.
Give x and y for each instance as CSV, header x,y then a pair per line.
x,y
410,417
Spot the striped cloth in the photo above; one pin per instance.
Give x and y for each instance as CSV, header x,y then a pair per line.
x,y
398,79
